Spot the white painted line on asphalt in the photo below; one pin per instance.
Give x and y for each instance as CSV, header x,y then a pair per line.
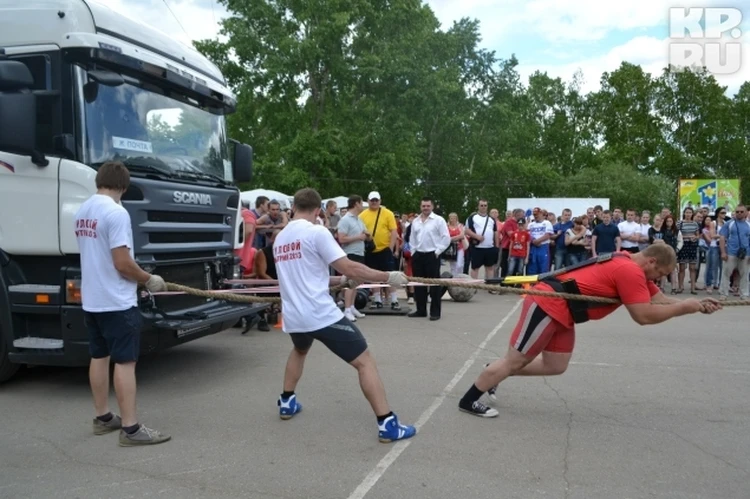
x,y
399,447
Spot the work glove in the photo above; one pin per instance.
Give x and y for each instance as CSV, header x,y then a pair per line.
x,y
396,278
156,284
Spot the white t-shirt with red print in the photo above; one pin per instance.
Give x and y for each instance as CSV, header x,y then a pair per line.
x,y
102,225
303,253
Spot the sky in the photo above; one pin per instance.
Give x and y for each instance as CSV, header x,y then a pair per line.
x,y
559,37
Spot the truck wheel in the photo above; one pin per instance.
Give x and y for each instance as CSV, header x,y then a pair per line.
x,y
7,368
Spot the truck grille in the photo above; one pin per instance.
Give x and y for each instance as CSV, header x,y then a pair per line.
x,y
191,275
185,218
185,237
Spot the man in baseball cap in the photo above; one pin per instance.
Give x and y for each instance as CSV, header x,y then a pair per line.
x,y
381,225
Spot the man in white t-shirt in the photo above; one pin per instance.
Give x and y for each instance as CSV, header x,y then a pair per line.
x,y
484,241
645,226
303,252
630,232
109,281
541,231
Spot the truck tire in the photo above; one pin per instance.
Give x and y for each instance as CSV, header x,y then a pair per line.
x,y
7,368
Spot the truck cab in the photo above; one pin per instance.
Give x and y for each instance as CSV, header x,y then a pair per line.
x,y
81,85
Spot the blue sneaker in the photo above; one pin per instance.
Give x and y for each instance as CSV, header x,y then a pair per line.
x,y
288,407
391,430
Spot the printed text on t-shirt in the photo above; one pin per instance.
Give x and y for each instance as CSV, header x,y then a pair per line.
x,y
86,227
285,252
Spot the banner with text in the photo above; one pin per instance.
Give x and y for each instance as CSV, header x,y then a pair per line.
x,y
697,193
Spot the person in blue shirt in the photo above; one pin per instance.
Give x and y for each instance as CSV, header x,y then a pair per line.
x,y
606,236
734,243
560,228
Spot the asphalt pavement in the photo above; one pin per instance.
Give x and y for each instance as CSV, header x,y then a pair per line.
x,y
642,412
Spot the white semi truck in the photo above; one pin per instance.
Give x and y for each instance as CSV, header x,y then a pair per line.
x,y
81,85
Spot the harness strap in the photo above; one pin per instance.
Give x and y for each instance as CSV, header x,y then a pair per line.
x,y
578,309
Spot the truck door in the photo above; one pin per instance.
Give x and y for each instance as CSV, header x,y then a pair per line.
x,y
28,193
28,197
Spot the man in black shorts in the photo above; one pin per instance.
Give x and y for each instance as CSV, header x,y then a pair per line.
x,y
484,240
303,252
109,281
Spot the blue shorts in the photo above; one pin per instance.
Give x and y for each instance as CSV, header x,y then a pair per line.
x,y
115,334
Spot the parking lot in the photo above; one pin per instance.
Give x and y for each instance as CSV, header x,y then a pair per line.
x,y
659,411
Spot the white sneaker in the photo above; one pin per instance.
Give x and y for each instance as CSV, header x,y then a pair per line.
x,y
410,301
356,313
348,314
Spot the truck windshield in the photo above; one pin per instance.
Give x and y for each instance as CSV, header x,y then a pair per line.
x,y
148,129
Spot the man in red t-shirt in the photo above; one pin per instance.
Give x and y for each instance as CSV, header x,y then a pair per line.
x,y
520,244
546,324
506,234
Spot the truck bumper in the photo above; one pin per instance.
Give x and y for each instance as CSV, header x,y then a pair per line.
x,y
158,332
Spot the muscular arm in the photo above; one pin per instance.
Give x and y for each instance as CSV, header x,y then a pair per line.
x,y
118,228
648,313
662,299
357,271
127,267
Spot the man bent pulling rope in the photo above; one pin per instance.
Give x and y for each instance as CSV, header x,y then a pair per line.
x,y
547,325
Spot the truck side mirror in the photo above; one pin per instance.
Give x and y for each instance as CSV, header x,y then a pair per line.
x,y
242,163
18,111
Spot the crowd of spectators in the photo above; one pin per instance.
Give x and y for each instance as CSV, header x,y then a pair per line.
x,y
711,245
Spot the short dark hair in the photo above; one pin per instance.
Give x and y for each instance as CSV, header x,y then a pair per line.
x,y
113,175
307,199
427,198
260,201
352,201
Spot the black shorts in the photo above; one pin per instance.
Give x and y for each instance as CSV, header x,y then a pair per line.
x,y
342,338
484,257
382,260
115,334
632,250
356,258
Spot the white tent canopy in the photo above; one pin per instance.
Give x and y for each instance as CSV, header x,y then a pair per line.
x,y
284,200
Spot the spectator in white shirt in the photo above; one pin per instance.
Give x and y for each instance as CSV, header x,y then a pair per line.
x,y
630,232
645,229
541,231
429,238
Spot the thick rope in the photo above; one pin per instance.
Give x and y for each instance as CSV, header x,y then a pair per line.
x,y
430,281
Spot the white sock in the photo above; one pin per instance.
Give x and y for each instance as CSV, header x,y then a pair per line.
x,y
394,298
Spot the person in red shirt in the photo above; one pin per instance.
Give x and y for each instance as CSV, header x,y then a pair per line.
x,y
247,252
506,235
519,244
547,325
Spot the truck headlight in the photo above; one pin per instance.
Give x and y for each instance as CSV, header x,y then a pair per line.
x,y
236,271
